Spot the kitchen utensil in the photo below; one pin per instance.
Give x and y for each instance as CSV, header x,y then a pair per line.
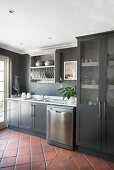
x,y
90,60
29,95
86,60
24,96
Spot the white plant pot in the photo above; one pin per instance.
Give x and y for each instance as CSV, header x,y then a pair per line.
x,y
71,100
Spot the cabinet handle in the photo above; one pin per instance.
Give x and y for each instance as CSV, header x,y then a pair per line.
x,y
99,110
31,110
104,110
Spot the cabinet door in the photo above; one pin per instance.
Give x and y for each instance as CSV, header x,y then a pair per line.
x,y
108,96
12,112
88,117
39,118
26,118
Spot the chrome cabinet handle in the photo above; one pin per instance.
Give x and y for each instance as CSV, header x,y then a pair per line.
x,y
99,110
31,110
104,110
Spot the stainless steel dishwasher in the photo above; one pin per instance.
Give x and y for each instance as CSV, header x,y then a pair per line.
x,y
61,126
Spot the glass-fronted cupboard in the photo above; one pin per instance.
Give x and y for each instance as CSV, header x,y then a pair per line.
x,y
95,108
89,95
89,72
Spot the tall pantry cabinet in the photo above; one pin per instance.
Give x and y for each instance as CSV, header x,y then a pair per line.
x,y
95,107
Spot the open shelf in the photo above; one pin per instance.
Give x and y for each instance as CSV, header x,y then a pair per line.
x,y
111,63
90,64
111,87
43,67
44,73
43,80
71,78
87,86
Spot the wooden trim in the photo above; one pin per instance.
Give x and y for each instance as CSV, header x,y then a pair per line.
x,y
6,89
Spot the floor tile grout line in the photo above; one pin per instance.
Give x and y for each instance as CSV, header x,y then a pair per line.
x,y
54,159
67,161
56,150
17,152
5,134
5,149
106,164
89,161
43,154
101,164
97,163
75,162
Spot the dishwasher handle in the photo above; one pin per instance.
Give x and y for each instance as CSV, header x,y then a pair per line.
x,y
60,109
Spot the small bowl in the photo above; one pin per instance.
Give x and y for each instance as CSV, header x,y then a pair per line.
x,y
39,63
49,62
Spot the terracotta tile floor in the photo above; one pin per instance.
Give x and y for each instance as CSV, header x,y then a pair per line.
x,y
19,151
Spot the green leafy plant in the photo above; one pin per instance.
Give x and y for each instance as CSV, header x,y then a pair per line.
x,y
67,92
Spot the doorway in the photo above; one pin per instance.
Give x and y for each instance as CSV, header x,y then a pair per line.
x,y
4,90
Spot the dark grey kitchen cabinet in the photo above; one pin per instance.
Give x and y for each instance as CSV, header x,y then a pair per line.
x,y
95,106
39,118
108,95
12,112
89,94
25,115
32,116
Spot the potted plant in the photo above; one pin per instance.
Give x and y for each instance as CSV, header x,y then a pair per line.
x,y
68,92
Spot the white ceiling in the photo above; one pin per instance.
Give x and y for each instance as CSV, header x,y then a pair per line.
x,y
34,21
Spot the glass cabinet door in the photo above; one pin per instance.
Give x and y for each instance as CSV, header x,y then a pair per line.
x,y
110,72
89,66
89,93
108,96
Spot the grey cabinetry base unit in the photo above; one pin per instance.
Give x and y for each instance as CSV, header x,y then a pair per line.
x,y
95,105
33,117
25,116
13,112
39,118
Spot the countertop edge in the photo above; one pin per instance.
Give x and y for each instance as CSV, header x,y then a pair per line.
x,y
43,102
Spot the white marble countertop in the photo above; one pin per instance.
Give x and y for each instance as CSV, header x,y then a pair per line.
x,y
50,100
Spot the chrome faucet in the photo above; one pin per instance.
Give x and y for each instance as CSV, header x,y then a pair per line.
x,y
42,96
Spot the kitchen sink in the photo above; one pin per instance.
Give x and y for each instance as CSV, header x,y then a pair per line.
x,y
48,100
55,101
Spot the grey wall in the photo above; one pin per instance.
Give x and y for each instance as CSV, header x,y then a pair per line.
x,y
19,66
15,63
47,89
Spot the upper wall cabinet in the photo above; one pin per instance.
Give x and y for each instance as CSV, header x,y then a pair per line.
x,y
45,67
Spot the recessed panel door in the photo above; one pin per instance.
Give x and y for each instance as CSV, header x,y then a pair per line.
x,y
89,86
108,96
